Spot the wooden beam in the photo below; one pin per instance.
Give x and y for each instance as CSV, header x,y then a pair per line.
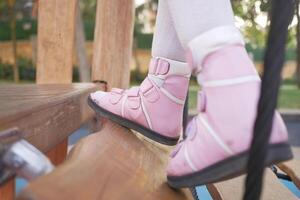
x,y
45,114
58,153
233,189
112,164
7,191
113,42
56,25
292,167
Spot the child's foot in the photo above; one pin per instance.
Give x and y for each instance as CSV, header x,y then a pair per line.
x,y
218,139
155,108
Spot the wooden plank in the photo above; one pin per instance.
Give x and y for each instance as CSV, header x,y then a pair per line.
x,y
112,164
233,189
45,114
7,191
58,154
292,167
56,25
113,42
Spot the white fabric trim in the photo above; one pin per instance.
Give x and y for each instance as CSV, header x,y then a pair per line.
x,y
213,40
176,68
215,135
231,81
188,159
172,97
123,105
146,113
155,79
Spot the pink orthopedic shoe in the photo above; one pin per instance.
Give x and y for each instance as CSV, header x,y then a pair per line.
x,y
154,109
218,139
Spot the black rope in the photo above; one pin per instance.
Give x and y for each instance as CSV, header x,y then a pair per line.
x,y
281,15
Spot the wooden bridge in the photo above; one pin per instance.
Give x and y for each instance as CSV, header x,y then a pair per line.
x,y
113,163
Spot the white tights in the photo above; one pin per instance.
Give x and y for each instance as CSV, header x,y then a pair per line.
x,y
180,21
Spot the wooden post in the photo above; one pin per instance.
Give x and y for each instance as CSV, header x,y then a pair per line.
x,y
56,30
7,191
56,26
113,42
58,154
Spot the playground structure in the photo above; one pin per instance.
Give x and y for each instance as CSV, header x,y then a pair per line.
x,y
113,163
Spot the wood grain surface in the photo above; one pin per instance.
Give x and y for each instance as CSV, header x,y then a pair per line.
x,y
55,39
292,167
7,191
233,189
113,42
45,114
111,164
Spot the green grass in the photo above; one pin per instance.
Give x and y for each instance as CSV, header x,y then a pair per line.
x,y
289,97
193,90
3,82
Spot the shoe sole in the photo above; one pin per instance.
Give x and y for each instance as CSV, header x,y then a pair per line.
x,y
230,167
132,125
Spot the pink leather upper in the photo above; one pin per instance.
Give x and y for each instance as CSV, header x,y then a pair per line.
x,y
164,115
229,111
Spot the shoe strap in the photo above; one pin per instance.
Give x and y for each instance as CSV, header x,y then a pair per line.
x,y
150,85
163,67
201,99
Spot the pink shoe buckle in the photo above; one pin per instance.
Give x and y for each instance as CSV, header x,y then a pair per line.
x,y
159,66
163,67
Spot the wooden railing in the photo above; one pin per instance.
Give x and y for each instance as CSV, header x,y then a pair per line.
x,y
56,30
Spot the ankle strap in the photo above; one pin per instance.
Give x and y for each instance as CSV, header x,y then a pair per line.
x,y
163,67
159,66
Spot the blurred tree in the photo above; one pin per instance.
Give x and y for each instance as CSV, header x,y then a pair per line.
x,y
84,67
11,5
252,18
88,9
145,15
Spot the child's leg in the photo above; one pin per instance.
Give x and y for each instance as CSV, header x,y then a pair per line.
x,y
194,17
165,41
219,137
155,108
